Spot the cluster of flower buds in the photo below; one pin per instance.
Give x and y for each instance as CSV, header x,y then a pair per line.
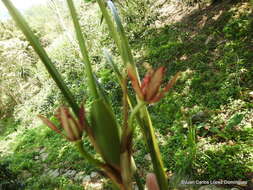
x,y
150,89
72,128
104,132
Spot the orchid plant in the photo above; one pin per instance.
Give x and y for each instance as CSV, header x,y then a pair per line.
x,y
110,140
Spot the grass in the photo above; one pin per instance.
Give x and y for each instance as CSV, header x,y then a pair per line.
x,y
216,60
38,151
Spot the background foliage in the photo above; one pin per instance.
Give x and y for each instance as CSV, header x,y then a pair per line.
x,y
212,46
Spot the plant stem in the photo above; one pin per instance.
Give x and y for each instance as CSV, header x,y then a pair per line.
x,y
141,113
87,156
109,22
143,117
134,112
125,48
153,147
110,172
84,51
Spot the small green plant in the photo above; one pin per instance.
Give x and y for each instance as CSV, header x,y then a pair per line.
x,y
111,142
8,179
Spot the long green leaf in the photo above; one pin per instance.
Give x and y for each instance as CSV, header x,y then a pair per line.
x,y
155,154
126,51
109,22
120,77
114,66
20,21
102,91
84,51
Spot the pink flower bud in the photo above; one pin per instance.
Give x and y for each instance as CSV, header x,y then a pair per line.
x,y
150,89
73,128
151,182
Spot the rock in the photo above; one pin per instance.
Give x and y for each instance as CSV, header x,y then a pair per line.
x,y
86,180
54,173
210,187
96,186
79,176
46,170
251,94
25,174
231,143
209,38
147,157
94,175
73,172
44,156
70,173
199,117
42,150
80,173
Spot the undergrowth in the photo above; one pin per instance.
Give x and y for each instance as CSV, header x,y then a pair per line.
x,y
212,97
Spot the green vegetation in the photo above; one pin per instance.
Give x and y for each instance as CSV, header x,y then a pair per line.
x,y
204,126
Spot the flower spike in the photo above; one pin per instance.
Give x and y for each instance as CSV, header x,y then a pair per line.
x,y
150,89
72,127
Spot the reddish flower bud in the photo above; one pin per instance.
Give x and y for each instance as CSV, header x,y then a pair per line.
x,y
73,128
150,89
151,182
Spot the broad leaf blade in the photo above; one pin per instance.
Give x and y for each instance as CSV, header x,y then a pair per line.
x,y
106,132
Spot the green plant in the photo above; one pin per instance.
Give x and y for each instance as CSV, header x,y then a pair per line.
x,y
225,162
114,144
8,178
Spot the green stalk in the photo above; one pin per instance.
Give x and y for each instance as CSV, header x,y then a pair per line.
x,y
109,22
129,103
104,125
84,52
22,24
119,76
143,117
114,67
109,171
126,169
87,156
135,111
126,51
